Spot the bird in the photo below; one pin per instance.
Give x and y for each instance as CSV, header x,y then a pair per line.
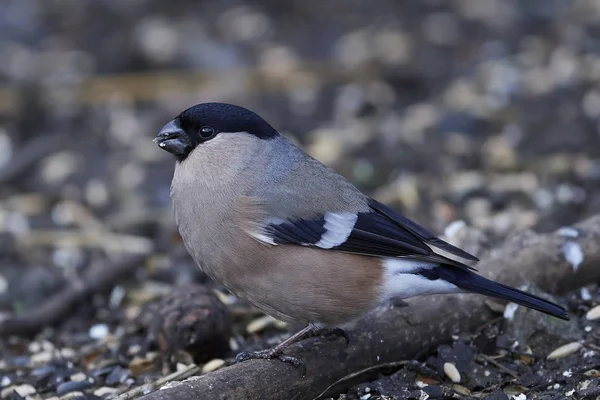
x,y
292,237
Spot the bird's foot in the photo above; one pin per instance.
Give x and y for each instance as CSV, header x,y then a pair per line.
x,y
271,354
337,332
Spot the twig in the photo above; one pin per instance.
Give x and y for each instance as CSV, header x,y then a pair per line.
x,y
98,278
97,238
30,153
498,365
349,377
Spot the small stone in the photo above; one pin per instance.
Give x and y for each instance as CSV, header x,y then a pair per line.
x,y
68,353
233,344
573,254
509,311
41,358
47,345
25,390
564,351
72,395
80,376
104,391
118,375
180,367
34,347
461,390
98,331
260,324
451,372
213,365
6,392
585,294
140,365
135,349
68,387
593,314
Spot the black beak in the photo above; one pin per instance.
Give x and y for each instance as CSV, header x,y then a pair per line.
x,y
173,139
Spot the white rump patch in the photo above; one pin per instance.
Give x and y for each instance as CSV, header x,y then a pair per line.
x,y
338,226
401,282
394,266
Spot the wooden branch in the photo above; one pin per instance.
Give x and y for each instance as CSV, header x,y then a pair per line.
x,y
393,334
100,277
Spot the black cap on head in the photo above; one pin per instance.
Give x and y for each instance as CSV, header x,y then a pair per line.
x,y
224,117
202,122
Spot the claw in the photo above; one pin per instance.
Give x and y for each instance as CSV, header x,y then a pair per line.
x,y
271,354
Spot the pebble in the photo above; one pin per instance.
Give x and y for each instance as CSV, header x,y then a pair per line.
x,y
98,331
139,365
22,390
593,314
564,351
181,367
585,294
68,387
43,371
80,376
41,358
134,349
118,375
72,395
573,254
213,365
260,324
451,372
104,391
461,390
509,311
34,347
68,353
233,344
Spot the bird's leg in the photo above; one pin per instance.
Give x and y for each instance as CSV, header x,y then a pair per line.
x,y
277,351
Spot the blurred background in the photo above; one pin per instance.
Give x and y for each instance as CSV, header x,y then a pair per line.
x,y
485,111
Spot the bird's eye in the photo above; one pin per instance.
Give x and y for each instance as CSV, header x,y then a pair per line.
x,y
207,132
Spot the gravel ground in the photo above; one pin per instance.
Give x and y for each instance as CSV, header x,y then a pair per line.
x,y
484,111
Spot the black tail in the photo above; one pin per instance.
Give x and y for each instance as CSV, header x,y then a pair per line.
x,y
472,282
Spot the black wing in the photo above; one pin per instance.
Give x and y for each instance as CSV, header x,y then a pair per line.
x,y
381,232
